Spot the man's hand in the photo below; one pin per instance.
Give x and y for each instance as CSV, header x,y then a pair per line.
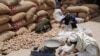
x,y
63,53
75,51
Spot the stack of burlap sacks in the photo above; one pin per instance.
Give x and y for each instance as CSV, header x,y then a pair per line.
x,y
47,5
18,16
85,11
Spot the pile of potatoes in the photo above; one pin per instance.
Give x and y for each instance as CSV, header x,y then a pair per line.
x,y
29,40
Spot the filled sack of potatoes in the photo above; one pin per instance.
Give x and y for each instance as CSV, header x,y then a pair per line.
x,y
50,12
23,6
22,31
5,27
30,13
69,1
84,16
74,9
10,3
92,6
4,19
19,24
51,3
31,27
31,20
92,11
38,2
6,35
18,17
42,13
4,9
44,6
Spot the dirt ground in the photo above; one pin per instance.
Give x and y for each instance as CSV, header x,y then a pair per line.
x,y
93,24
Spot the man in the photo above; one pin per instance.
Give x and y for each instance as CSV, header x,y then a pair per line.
x,y
69,21
58,14
43,24
82,44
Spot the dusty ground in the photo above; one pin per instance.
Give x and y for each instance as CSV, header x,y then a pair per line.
x,y
93,25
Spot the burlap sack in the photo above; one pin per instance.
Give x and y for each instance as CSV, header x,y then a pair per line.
x,y
44,6
42,13
31,27
92,11
51,3
6,35
4,19
31,20
4,9
24,6
92,6
84,16
5,27
74,9
50,12
19,24
10,3
30,13
22,31
18,17
38,2
69,1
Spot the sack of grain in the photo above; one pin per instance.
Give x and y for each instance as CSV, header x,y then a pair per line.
x,y
92,11
84,9
4,9
4,19
84,16
31,27
42,13
69,1
23,6
51,3
22,31
5,27
50,12
18,17
19,24
10,3
38,2
74,9
6,35
31,20
92,6
44,6
30,13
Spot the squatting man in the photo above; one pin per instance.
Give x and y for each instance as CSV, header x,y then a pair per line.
x,y
78,43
